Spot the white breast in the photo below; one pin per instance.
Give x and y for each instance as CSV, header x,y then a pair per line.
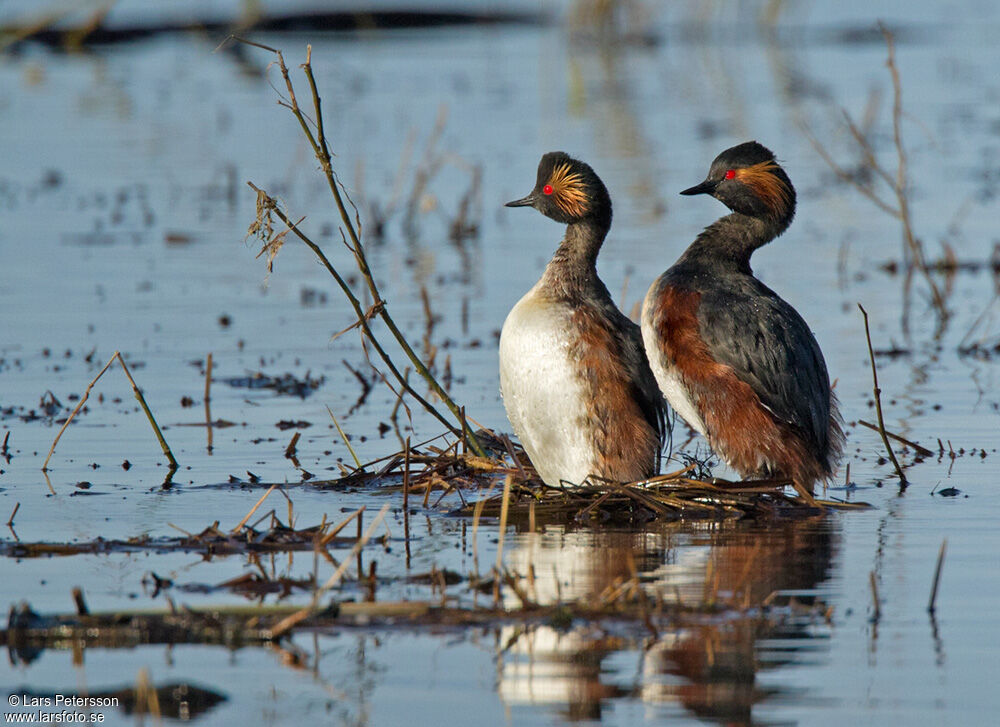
x,y
667,376
542,392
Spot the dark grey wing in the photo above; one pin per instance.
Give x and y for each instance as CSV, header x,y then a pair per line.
x,y
770,347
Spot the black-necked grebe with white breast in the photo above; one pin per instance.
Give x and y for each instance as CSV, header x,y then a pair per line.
x,y
578,390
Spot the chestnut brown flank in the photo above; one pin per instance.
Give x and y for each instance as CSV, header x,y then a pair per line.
x,y
619,429
739,427
766,185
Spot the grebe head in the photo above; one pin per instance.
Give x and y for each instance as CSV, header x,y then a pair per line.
x,y
567,190
748,180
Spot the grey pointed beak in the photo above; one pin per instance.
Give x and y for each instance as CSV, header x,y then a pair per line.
x,y
705,187
528,201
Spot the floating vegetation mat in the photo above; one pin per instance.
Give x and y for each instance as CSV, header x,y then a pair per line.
x,y
466,485
474,486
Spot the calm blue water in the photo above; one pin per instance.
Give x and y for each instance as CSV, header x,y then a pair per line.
x,y
124,207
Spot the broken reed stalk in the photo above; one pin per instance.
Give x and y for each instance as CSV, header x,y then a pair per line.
x,y
901,184
138,395
878,403
406,475
10,520
321,149
253,509
292,447
354,455
406,500
477,513
937,576
208,400
333,533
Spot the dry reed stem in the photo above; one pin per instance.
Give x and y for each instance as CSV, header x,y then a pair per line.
x,y
477,512
146,699
354,455
901,185
10,520
406,476
937,577
878,403
321,150
253,509
208,399
333,533
406,501
138,395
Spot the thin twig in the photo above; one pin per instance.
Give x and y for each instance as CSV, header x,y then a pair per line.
x,y
878,403
923,451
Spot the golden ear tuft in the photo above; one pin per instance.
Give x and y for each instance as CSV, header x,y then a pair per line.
x,y
767,185
568,190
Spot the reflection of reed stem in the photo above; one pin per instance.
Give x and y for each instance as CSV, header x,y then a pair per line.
x,y
873,582
937,576
897,182
901,184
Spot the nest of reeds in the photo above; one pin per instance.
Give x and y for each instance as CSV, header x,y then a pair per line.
x,y
470,485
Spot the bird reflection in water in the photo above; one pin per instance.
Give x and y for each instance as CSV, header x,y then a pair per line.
x,y
727,591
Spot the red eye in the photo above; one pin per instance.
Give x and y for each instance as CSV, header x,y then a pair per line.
x,y
547,189
730,173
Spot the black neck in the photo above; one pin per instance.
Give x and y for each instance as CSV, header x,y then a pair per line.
x,y
734,238
573,268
